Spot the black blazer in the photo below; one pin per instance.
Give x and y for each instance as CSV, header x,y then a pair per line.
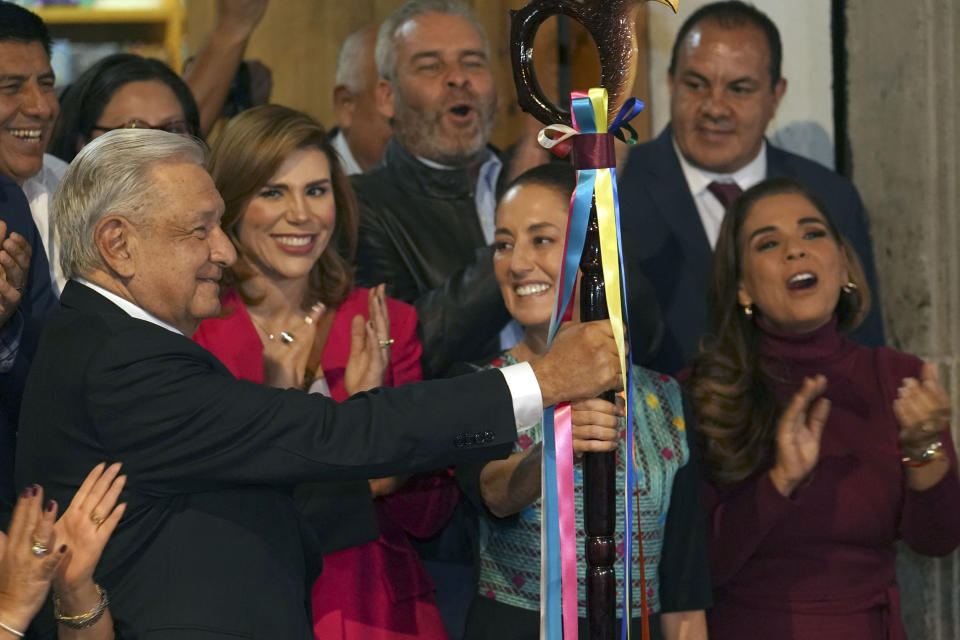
x,y
37,302
664,240
211,544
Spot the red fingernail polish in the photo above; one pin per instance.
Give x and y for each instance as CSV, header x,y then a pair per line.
x,y
63,549
50,505
33,490
25,494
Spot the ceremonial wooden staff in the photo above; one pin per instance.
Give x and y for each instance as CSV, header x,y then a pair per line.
x,y
612,24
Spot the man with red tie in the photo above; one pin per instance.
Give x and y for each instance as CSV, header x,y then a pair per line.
x,y
725,87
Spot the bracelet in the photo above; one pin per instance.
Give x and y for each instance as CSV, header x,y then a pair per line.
x,y
84,620
19,634
914,459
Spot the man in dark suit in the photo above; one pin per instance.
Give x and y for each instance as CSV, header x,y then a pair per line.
x,y
26,298
725,86
211,544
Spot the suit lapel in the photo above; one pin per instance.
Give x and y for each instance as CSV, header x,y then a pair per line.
x,y
671,195
776,163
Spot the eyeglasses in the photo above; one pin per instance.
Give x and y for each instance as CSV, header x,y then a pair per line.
x,y
179,127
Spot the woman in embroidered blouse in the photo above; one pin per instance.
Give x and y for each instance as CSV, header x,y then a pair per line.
x,y
821,452
292,318
531,220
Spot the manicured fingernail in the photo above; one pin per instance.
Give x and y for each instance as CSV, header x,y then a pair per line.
x,y
26,493
50,505
63,549
34,489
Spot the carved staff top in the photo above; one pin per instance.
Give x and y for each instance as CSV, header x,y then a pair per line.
x,y
613,26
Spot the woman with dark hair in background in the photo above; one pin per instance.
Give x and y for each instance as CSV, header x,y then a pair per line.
x,y
120,91
822,453
292,318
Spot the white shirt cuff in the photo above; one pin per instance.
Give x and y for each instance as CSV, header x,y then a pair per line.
x,y
525,391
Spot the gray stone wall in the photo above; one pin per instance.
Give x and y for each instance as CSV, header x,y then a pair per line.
x,y
904,109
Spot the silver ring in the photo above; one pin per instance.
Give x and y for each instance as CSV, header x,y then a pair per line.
x,y
385,344
286,338
38,548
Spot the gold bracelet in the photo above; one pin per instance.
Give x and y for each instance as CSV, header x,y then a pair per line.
x,y
914,458
84,620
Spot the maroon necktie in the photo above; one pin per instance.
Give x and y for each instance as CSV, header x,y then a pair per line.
x,y
725,192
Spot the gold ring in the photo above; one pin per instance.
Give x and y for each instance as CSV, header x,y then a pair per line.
x,y
386,343
96,519
38,548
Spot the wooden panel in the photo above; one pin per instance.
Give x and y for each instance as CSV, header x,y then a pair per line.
x,y
299,41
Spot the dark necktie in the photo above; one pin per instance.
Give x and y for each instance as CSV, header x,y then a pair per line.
x,y
725,192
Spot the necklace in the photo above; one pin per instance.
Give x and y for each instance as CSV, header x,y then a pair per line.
x,y
287,337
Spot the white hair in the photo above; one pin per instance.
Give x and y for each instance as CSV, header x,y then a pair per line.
x,y
352,60
387,35
111,176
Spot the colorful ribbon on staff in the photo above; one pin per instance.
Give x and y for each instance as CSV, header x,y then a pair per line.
x,y
591,141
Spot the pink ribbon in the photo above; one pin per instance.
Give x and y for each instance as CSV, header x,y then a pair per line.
x,y
563,444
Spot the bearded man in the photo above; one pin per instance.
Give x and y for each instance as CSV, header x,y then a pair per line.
x,y
427,211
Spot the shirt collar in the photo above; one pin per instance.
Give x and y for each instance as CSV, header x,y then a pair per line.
x,y
349,162
490,169
131,309
745,177
490,160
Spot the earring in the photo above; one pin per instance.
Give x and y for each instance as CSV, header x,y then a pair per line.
x,y
748,310
850,287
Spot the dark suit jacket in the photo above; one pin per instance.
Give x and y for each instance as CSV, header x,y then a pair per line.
x,y
37,302
211,544
664,240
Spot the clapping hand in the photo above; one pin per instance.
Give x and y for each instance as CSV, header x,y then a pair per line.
x,y
87,524
28,558
596,426
286,353
15,254
798,435
922,409
369,345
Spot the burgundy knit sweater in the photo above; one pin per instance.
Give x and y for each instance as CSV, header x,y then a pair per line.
x,y
820,564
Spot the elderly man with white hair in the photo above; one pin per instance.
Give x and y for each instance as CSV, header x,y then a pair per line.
x,y
211,544
362,132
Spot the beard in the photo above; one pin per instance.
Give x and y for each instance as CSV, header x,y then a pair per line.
x,y
425,132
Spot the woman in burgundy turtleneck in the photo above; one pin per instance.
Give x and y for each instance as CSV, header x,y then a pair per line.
x,y
822,453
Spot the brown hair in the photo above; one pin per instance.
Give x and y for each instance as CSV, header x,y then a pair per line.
x,y
246,155
736,409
